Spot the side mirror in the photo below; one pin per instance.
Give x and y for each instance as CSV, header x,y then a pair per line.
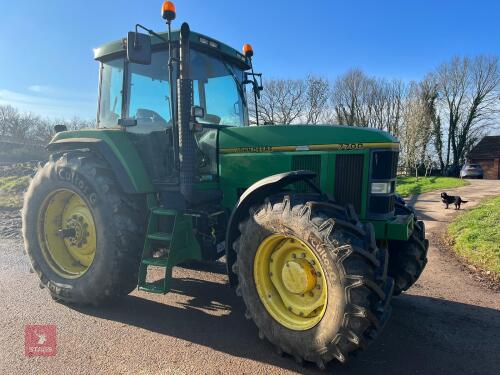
x,y
257,89
127,122
256,86
139,48
197,112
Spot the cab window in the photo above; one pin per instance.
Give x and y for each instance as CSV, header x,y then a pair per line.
x,y
110,100
149,95
217,87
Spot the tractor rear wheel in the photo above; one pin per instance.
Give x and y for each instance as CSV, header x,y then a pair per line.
x,y
83,235
407,259
312,278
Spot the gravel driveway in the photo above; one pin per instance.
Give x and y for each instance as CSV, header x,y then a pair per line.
x,y
446,324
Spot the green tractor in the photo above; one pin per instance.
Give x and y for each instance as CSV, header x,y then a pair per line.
x,y
315,239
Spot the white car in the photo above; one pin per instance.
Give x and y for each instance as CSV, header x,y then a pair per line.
x,y
471,171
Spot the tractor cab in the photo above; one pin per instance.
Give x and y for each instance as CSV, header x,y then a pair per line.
x,y
139,93
142,92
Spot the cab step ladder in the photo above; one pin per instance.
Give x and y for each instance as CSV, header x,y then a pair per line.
x,y
155,239
177,242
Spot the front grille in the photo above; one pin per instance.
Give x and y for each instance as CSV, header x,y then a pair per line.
x,y
349,180
382,204
308,163
384,165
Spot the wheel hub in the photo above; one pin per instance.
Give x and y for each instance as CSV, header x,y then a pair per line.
x,y
76,231
298,276
67,233
290,282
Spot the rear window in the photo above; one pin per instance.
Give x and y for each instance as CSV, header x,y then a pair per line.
x,y
110,101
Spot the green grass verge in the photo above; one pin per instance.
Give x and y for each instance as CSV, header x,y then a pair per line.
x,y
11,191
476,235
406,186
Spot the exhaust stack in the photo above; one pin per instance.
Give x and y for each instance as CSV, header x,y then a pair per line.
x,y
187,143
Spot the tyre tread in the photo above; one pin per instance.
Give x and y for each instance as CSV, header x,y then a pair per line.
x,y
362,263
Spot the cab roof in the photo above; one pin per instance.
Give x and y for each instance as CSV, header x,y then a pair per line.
x,y
118,47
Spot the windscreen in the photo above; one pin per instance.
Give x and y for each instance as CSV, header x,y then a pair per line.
x,y
217,87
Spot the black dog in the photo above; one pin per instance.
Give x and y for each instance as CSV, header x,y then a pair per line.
x,y
452,199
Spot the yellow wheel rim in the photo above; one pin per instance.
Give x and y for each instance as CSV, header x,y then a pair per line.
x,y
67,233
290,282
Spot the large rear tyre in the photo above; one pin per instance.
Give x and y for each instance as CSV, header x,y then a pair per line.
x,y
407,259
83,235
312,278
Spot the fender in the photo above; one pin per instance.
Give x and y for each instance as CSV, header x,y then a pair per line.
x,y
102,148
253,195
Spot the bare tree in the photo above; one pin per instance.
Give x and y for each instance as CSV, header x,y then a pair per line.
x,y
430,94
16,124
316,100
416,132
7,114
366,101
45,127
282,101
386,104
380,104
31,127
349,97
397,91
468,88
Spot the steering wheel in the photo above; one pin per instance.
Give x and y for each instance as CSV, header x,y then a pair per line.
x,y
211,119
149,116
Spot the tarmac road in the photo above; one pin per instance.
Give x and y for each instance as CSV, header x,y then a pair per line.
x,y
446,324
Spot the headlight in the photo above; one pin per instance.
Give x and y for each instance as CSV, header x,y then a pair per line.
x,y
381,187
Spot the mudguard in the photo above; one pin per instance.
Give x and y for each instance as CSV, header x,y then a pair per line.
x,y
253,195
102,148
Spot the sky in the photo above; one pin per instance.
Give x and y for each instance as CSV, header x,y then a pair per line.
x,y
47,66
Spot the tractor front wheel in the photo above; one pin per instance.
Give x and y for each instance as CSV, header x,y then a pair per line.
x,y
312,278
83,235
407,259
